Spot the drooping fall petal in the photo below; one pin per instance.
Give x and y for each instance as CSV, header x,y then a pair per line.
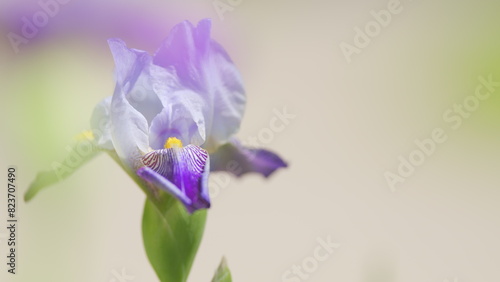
x,y
181,171
237,159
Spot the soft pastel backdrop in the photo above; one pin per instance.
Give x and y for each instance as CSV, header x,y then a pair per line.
x,y
352,122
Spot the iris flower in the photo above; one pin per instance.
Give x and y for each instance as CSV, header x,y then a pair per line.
x,y
172,116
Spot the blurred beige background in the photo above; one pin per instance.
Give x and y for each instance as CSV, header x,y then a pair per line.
x,y
352,121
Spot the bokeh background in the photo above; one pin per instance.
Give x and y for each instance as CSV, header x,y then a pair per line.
x,y
352,122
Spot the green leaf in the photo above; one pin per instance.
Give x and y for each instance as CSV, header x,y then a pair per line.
x,y
223,274
82,151
171,237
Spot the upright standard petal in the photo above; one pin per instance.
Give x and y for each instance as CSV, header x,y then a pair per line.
x,y
181,171
182,117
129,127
204,67
139,78
143,95
179,52
237,159
129,63
226,84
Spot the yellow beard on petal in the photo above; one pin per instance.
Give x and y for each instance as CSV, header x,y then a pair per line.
x,y
173,142
86,135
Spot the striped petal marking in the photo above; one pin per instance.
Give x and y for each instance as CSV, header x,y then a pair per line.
x,y
184,171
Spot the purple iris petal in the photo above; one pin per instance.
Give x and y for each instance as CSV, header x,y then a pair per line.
x,y
130,138
139,78
130,63
183,172
204,67
158,180
237,159
180,51
181,117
